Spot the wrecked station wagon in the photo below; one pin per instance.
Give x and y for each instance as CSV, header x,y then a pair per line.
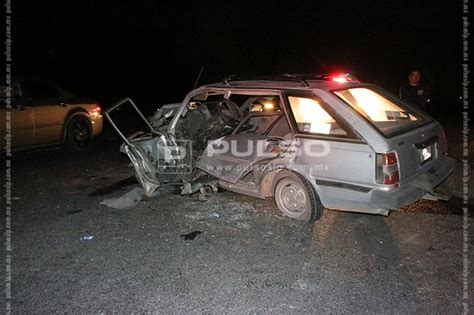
x,y
309,141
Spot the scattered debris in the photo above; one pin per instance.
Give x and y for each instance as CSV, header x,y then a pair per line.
x,y
202,194
437,196
203,188
126,201
190,236
87,237
188,188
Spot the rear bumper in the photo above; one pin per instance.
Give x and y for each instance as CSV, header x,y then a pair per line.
x,y
414,189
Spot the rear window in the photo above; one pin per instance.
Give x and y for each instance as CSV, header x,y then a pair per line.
x,y
386,113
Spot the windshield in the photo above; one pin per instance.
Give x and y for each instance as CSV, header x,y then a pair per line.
x,y
386,113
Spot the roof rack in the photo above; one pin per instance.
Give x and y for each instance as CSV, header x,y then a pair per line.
x,y
280,77
300,77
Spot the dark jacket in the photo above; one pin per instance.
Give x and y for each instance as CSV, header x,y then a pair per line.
x,y
417,96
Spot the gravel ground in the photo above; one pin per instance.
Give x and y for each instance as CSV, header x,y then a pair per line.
x,y
248,259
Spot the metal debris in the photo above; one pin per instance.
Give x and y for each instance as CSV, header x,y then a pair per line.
x,y
126,201
190,188
87,237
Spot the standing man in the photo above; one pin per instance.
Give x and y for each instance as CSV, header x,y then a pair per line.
x,y
415,92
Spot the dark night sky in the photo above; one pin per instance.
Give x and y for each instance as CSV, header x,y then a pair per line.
x,y
153,50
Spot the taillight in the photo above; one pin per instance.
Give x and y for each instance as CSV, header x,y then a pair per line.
x,y
96,111
387,169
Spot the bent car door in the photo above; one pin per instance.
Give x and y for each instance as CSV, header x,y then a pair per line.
x,y
152,154
232,157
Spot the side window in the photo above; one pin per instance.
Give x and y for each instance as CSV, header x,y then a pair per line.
x,y
280,129
260,112
39,90
260,104
258,124
312,118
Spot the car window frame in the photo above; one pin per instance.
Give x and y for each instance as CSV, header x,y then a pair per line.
x,y
279,115
352,135
217,90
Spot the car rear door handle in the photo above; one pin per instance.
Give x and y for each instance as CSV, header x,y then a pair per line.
x,y
20,107
63,104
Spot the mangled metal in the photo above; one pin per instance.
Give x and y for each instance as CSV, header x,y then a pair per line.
x,y
251,137
160,157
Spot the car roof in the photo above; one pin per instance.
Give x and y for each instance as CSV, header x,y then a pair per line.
x,y
305,81
284,85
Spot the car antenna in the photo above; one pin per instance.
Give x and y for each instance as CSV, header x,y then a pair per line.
x,y
198,77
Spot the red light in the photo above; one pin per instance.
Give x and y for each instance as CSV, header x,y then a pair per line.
x,y
391,178
339,79
97,110
389,159
342,78
387,172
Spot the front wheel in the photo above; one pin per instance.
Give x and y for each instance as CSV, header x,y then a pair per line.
x,y
296,197
78,135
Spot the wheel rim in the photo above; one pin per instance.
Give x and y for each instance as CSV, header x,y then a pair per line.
x,y
80,134
292,197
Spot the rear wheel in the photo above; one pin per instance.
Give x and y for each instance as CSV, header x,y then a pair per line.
x,y
296,197
78,135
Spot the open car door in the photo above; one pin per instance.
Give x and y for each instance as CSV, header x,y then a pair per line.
x,y
153,155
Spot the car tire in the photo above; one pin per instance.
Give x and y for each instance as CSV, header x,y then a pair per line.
x,y
296,197
78,134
